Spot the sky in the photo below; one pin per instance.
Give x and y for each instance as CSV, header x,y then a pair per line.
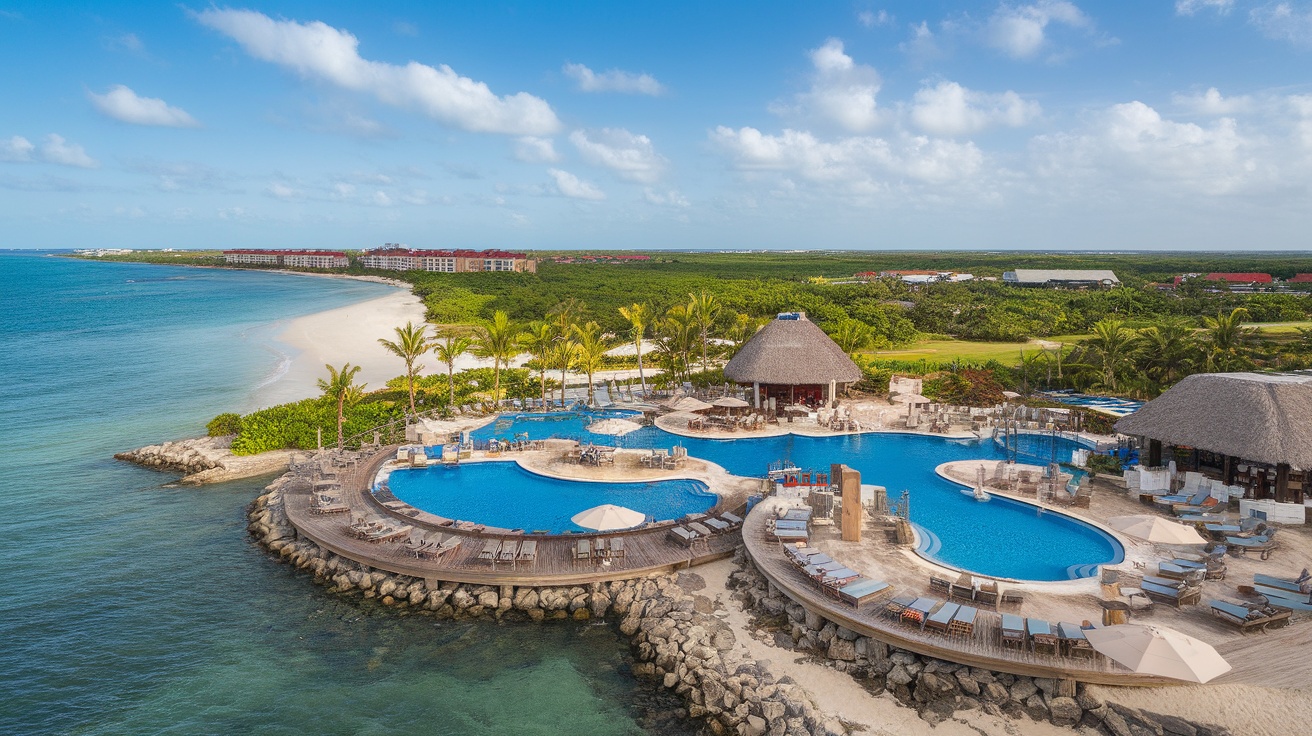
x,y
1039,124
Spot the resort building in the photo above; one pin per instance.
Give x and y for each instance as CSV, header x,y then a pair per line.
x,y
1062,278
792,361
1248,429
288,258
394,257
915,277
1234,279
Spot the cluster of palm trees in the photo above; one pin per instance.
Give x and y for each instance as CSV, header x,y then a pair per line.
x,y
683,336
1143,362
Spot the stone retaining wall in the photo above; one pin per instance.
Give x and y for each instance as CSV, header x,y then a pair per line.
x,y
938,689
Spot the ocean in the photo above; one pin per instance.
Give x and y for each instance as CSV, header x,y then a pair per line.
x,y
131,605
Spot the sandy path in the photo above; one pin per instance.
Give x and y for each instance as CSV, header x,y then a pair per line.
x,y
838,694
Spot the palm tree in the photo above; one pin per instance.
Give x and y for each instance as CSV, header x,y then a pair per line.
x,y
592,349
703,309
676,337
741,329
853,336
562,355
411,342
536,339
1166,350
566,314
639,316
1111,345
448,351
496,340
1226,340
341,387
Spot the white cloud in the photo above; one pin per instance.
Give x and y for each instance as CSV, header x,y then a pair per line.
x,y
950,109
381,199
1284,21
922,45
319,51
572,186
1212,103
124,105
842,91
870,18
534,150
631,156
282,191
860,162
672,198
17,148
1021,31
56,150
614,80
342,190
1132,142
1189,7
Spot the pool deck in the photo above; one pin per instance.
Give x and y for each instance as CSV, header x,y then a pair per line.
x,y
647,551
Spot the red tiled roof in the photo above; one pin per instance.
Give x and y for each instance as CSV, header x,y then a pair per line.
x,y
251,251
1240,278
445,253
1302,278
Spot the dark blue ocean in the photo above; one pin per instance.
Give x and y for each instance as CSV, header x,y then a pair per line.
x,y
130,606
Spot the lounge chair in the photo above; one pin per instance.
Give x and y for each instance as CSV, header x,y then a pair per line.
x,y
600,551
700,528
963,589
941,618
1012,631
804,555
987,594
447,545
897,605
939,584
491,549
1188,574
792,535
582,551
1274,582
617,549
860,590
1042,638
840,576
1247,618
1073,641
681,535
389,533
732,518
1243,545
963,621
1177,597
778,524
509,551
796,515
818,570
718,525
917,611
1213,569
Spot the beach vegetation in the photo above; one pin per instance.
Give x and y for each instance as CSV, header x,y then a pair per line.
x,y
341,388
410,344
224,424
497,339
448,348
639,316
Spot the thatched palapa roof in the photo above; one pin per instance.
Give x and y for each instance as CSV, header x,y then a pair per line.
x,y
1266,418
791,350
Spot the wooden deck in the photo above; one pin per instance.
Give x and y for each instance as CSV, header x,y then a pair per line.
x,y
983,649
647,551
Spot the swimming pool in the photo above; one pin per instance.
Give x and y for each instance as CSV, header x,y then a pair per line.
x,y
1001,538
1105,404
504,494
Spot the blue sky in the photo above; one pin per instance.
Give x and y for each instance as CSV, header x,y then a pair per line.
x,y
1044,124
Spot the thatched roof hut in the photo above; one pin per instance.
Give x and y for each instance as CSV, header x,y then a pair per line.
x,y
790,358
1264,418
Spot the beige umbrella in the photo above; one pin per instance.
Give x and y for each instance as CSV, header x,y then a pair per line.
x,y
909,399
1156,529
1010,395
615,426
688,403
608,516
1153,650
730,402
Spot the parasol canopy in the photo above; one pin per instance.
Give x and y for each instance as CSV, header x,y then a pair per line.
x,y
729,402
688,403
1156,529
608,516
909,399
1153,650
614,426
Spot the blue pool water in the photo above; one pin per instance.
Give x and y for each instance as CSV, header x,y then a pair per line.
x,y
506,495
1106,404
1002,538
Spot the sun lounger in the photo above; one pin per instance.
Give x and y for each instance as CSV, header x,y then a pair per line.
x,y
819,569
1042,638
796,515
939,584
839,576
963,589
963,622
616,548
389,533
509,551
329,507
792,535
600,550
1164,582
1191,575
1175,597
940,619
1274,582
491,549
447,545
681,535
789,524
1213,568
860,590
1073,641
1272,594
717,525
700,528
1246,619
917,611
582,550
732,518
1244,545
1013,631
897,605
814,557
987,594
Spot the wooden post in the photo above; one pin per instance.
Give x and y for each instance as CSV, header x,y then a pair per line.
x,y
1228,470
1282,483
1154,453
849,488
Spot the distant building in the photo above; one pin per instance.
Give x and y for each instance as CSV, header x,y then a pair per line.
x,y
604,258
1238,279
393,257
289,258
1061,277
1302,278
915,277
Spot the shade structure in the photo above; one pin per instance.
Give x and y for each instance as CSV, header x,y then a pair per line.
x,y
791,351
1154,650
688,403
909,399
615,426
1156,529
729,402
608,516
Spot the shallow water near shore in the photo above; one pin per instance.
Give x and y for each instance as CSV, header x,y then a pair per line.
x,y
133,607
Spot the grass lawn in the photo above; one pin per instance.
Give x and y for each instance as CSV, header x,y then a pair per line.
x,y
1278,328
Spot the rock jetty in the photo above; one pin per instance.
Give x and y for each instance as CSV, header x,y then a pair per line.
x,y
206,460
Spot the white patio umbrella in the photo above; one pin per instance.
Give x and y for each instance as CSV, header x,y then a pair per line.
x,y
688,403
1010,395
909,399
729,402
608,516
1156,529
615,426
1153,650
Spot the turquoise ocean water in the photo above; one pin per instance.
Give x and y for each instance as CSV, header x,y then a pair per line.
x,y
134,607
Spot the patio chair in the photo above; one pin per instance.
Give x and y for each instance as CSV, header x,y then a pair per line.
x,y
1177,597
509,551
1012,631
987,594
491,548
898,604
681,535
963,589
939,584
860,590
1073,641
1246,618
1042,638
941,618
582,551
917,611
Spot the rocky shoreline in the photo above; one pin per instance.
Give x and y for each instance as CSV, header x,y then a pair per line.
x,y
207,460
680,644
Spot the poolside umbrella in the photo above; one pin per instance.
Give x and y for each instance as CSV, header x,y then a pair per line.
x,y
615,426
608,516
1156,529
913,399
1010,395
729,402
688,403
1153,650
